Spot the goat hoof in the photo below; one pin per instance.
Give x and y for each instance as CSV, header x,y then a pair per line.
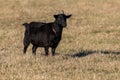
x,y
24,53
34,54
53,54
46,54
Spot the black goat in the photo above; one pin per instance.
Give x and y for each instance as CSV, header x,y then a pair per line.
x,y
45,35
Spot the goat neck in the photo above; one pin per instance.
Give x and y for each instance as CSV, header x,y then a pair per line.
x,y
57,28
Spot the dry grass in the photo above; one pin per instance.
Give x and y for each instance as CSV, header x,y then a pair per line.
x,y
89,50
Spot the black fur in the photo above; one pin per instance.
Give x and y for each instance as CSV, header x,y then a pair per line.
x,y
45,35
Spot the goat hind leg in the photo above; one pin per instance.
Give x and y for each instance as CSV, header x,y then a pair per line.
x,y
26,44
34,48
46,51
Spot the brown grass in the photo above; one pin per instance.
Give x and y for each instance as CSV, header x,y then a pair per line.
x,y
89,50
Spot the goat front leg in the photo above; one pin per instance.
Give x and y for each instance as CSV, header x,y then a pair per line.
x,y
53,51
46,51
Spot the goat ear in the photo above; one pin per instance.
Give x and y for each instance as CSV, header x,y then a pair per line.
x,y
55,16
68,16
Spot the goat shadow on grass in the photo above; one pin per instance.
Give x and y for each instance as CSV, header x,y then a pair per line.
x,y
89,52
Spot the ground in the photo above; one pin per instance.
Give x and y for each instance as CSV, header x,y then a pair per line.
x,y
89,49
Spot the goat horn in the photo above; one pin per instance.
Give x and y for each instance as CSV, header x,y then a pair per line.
x,y
62,11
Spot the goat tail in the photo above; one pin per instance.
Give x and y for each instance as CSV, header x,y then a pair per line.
x,y
27,27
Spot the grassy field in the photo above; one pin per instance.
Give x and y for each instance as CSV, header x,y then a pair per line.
x,y
89,49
